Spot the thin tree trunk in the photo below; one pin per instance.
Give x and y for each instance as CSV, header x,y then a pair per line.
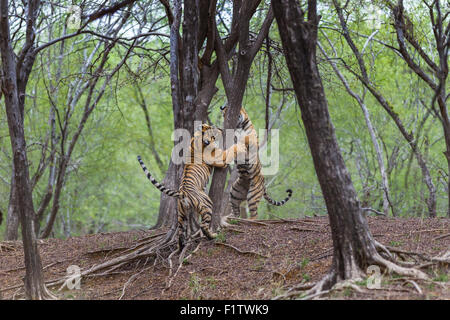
x,y
141,101
12,218
384,179
364,79
34,281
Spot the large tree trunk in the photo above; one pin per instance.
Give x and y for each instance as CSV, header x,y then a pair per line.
x,y
192,91
354,247
235,85
185,83
168,205
34,281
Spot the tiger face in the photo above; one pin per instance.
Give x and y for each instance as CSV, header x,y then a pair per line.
x,y
205,143
208,135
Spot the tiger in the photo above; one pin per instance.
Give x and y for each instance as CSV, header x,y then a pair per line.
x,y
250,182
192,194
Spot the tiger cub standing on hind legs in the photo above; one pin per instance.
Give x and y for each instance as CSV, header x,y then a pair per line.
x,y
250,182
197,170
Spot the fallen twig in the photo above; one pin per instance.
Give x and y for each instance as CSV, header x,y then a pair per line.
x,y
325,254
305,229
240,251
249,221
442,237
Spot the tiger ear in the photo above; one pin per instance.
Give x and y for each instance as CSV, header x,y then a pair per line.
x,y
201,128
198,131
205,127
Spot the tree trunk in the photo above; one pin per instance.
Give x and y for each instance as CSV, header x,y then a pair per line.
x,y
364,78
12,218
34,281
192,91
235,85
384,179
352,242
185,83
168,205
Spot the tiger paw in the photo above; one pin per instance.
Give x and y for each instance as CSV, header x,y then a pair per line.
x,y
211,235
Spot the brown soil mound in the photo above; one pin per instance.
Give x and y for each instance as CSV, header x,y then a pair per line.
x,y
247,261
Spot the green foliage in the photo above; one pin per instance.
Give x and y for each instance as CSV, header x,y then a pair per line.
x,y
221,238
105,189
442,277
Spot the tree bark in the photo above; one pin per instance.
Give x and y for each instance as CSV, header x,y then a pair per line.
x,y
235,84
12,218
404,32
185,83
34,281
352,242
192,84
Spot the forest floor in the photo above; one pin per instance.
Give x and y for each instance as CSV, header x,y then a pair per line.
x,y
249,261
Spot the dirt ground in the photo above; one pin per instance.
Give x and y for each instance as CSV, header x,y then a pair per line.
x,y
249,261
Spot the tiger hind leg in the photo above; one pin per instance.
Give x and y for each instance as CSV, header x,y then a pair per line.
x,y
253,198
182,218
205,212
238,194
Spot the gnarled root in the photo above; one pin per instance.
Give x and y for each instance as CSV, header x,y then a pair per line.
x,y
334,281
393,267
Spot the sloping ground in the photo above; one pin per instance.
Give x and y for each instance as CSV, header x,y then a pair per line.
x,y
247,261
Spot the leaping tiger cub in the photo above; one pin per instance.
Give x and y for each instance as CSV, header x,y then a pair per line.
x,y
191,194
250,183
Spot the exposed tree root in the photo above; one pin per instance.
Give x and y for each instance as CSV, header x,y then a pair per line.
x,y
395,268
444,258
416,286
6,247
181,259
47,295
160,246
442,237
134,276
246,221
341,285
240,251
294,291
384,259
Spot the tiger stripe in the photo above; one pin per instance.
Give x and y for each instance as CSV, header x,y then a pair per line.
x,y
191,194
250,183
